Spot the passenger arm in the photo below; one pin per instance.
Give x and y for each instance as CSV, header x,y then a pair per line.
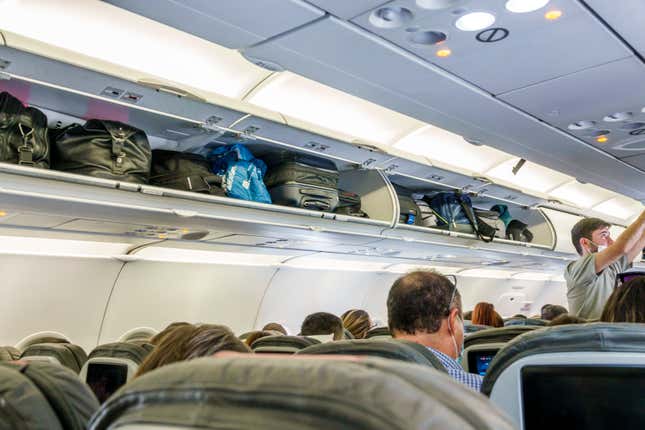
x,y
626,244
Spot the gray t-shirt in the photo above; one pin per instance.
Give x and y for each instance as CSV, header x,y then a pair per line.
x,y
587,291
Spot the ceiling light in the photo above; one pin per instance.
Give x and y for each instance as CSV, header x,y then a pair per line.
x,y
444,53
524,6
60,247
487,273
3,213
531,176
194,256
532,276
582,195
475,21
602,139
406,268
619,207
552,15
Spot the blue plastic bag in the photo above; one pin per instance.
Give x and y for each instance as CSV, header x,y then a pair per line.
x,y
243,174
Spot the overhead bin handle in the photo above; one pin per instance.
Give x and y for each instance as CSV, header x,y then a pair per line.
x,y
176,91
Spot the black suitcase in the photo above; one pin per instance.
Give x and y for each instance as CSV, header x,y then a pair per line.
x,y
409,211
184,171
350,204
302,181
23,134
104,149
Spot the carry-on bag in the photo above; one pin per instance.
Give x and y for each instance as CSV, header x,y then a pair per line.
x,y
428,217
184,171
350,204
492,219
409,212
104,149
455,212
23,134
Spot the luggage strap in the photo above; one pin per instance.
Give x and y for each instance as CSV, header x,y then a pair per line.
x,y
199,182
119,137
26,150
470,214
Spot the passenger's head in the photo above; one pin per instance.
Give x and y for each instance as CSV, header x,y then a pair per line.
x,y
425,307
156,338
322,323
484,314
522,316
186,342
626,303
272,326
590,233
564,319
549,312
468,315
258,334
357,321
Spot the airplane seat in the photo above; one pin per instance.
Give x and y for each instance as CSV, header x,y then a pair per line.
x,y
44,396
473,328
391,349
111,365
525,321
250,392
481,347
496,335
347,334
66,354
282,344
579,376
379,333
9,353
138,334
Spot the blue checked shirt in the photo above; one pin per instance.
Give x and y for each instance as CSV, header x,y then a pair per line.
x,y
457,372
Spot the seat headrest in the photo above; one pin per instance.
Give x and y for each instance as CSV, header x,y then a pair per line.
x,y
597,337
281,343
9,353
390,348
314,393
67,354
378,332
525,321
68,403
125,350
496,335
472,328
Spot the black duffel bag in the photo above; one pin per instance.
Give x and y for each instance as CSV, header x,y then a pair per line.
x,y
184,171
23,134
104,149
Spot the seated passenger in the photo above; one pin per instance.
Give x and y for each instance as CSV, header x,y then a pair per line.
x,y
157,338
564,319
425,307
468,315
258,334
549,312
626,303
186,342
357,321
273,326
484,314
322,323
522,316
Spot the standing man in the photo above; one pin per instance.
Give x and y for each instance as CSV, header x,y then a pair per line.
x,y
591,278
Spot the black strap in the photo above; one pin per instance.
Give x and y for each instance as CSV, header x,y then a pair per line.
x,y
26,150
470,214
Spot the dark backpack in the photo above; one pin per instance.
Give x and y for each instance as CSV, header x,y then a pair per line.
x,y
104,149
184,171
23,134
455,212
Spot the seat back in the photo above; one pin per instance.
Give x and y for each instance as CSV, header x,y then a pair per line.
x,y
379,333
580,376
54,394
477,358
496,335
473,328
391,349
110,366
9,353
282,344
66,354
525,321
246,392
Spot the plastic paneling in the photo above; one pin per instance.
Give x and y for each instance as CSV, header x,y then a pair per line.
x,y
234,24
153,294
63,294
376,198
625,17
429,94
347,9
562,223
514,62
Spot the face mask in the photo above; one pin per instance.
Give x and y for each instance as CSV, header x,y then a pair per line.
x,y
599,248
459,352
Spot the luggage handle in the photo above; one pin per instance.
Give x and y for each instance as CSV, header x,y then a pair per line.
x,y
318,204
26,150
473,222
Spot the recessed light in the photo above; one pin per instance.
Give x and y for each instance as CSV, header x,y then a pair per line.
x,y
3,213
581,125
524,6
552,15
602,139
444,53
618,116
475,21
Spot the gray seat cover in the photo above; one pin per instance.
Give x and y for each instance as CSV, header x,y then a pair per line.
x,y
473,328
525,321
382,348
9,353
69,355
378,331
246,392
497,335
296,342
600,337
127,350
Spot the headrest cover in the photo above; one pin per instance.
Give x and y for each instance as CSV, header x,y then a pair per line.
x,y
597,337
496,335
298,342
273,393
126,350
525,321
69,355
9,353
472,328
378,331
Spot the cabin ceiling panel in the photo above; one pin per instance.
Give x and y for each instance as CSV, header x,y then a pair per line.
x,y
347,9
430,94
233,24
625,17
604,101
534,50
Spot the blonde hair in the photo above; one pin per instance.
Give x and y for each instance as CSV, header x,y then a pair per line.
x,y
357,321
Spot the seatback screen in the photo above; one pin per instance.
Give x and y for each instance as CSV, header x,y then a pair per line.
x,y
478,361
583,397
104,379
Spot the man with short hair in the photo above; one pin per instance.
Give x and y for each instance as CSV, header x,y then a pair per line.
x,y
549,312
591,278
425,307
322,323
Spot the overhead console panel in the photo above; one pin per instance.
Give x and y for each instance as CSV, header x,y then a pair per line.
x,y
625,17
348,9
233,24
